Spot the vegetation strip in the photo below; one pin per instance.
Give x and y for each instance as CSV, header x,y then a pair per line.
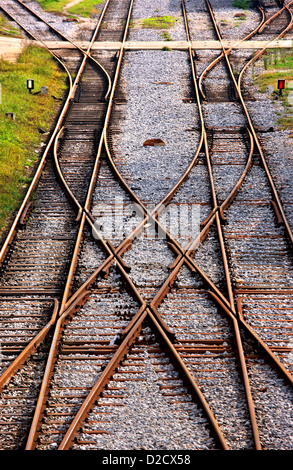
x,y
25,118
86,8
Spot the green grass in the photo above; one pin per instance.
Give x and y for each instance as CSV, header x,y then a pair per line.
x,y
243,4
6,29
159,22
278,64
86,8
20,138
166,36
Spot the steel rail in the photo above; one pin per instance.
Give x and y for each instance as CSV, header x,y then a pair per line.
x,y
83,411
190,263
229,199
129,331
215,61
206,150
274,16
141,316
262,25
72,308
277,364
91,279
154,214
232,311
35,180
184,253
41,43
112,253
77,302
168,197
266,350
85,211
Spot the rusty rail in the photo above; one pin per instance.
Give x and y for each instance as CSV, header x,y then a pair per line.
x,y
49,368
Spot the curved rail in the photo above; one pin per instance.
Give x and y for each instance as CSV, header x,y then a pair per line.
x,y
148,215
48,371
185,253
239,183
40,337
112,365
274,16
29,349
215,61
262,25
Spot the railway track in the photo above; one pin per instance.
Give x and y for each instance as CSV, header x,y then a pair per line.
x,y
36,254
187,334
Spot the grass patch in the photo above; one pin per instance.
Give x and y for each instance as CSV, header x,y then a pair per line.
x,y
20,137
55,6
278,59
277,65
243,4
86,8
6,29
159,22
